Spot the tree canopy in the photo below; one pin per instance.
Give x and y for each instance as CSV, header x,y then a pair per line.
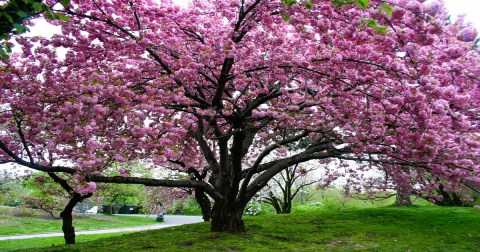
x,y
218,88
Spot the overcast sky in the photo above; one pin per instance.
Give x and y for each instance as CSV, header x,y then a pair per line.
x,y
469,7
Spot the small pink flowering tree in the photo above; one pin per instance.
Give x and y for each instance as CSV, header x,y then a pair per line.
x,y
221,86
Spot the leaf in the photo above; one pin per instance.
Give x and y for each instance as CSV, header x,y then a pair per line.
x,y
8,48
363,4
50,15
289,3
37,6
22,14
340,3
3,54
63,17
286,17
381,29
10,19
388,9
5,36
19,28
65,3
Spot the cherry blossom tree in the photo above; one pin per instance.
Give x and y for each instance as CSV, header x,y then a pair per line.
x,y
221,86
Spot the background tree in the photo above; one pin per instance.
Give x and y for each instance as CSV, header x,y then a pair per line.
x,y
11,189
165,200
43,193
222,86
286,186
115,196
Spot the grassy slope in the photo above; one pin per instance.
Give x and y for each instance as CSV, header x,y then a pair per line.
x,y
14,222
315,229
36,243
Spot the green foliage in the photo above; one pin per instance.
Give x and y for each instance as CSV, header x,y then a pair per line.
x,y
11,189
316,229
43,193
367,22
289,3
388,9
122,194
286,17
308,4
191,207
266,209
361,3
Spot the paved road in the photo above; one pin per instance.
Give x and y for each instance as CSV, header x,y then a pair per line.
x,y
169,221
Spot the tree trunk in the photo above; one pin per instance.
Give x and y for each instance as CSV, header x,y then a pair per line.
x,y
67,226
205,204
287,206
66,214
67,218
109,209
402,198
227,218
273,201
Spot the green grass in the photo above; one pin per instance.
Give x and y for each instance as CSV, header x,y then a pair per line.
x,y
36,243
26,221
316,229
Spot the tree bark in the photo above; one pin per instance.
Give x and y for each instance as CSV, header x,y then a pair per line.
x,y
67,218
67,226
227,218
66,214
205,204
402,198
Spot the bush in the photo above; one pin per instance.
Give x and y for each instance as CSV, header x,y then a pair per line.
x,y
191,207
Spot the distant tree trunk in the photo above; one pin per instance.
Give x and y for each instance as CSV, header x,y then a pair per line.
x,y
402,198
274,201
449,198
109,209
286,183
205,204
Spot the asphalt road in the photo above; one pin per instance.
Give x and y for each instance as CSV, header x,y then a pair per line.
x,y
169,221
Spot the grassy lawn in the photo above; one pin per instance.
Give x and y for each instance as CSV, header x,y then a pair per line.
x,y
315,229
25,221
36,243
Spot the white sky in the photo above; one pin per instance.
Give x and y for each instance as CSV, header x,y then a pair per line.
x,y
471,8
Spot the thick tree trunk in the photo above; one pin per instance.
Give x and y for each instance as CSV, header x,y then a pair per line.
x,y
227,218
402,198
